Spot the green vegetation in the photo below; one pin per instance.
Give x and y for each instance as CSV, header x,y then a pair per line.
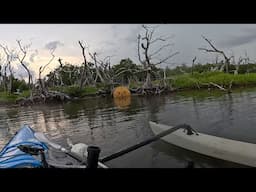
x,y
201,80
6,97
75,91
65,79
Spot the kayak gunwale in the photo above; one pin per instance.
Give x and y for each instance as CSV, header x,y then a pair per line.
x,y
212,146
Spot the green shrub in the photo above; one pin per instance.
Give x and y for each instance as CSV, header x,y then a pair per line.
x,y
75,91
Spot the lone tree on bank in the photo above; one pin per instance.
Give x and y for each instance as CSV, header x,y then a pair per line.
x,y
215,50
150,58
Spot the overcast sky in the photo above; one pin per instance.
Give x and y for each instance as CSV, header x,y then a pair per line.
x,y
119,41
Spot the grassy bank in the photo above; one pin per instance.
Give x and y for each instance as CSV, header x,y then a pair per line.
x,y
184,82
11,98
73,91
201,80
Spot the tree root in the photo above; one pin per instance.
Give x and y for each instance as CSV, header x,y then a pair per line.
x,y
50,96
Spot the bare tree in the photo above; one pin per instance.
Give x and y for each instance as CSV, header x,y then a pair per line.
x,y
215,50
23,49
8,81
107,70
241,60
86,75
59,71
97,68
41,70
146,57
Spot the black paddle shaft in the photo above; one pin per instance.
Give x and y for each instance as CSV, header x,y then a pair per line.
x,y
150,140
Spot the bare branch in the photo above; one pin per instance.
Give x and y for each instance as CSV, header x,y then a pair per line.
x,y
157,39
161,48
214,49
23,51
194,60
167,58
207,50
53,56
139,37
83,51
151,34
161,38
108,57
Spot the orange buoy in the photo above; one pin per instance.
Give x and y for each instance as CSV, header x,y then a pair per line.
x,y
122,103
121,92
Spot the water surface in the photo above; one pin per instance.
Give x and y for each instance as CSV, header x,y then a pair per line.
x,y
114,125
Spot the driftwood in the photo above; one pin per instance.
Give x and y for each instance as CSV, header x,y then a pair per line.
x,y
156,90
218,86
51,96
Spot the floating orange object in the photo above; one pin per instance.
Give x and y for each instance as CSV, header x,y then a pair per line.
x,y
121,92
122,103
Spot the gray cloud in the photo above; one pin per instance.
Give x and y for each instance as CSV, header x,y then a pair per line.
x,y
53,45
132,36
126,32
33,55
233,41
109,43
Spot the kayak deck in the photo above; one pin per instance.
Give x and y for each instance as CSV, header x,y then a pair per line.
x,y
12,157
217,147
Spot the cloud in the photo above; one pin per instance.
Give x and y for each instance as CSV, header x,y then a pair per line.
x,y
109,43
53,45
234,41
33,55
125,32
132,36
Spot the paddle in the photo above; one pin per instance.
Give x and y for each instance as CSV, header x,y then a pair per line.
x,y
150,140
40,136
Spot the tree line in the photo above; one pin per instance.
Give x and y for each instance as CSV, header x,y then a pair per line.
x,y
95,71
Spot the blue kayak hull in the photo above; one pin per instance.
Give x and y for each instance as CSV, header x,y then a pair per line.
x,y
12,157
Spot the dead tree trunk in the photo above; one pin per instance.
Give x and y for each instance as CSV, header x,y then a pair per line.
x,y
8,81
21,60
86,75
98,73
59,72
43,89
5,80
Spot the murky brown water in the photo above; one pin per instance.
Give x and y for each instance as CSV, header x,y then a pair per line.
x,y
114,125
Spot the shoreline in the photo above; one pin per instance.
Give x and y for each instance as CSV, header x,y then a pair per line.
x,y
7,102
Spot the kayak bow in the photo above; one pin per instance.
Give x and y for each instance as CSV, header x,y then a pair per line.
x,y
12,157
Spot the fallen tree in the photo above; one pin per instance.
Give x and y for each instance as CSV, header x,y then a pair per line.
x,y
51,96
